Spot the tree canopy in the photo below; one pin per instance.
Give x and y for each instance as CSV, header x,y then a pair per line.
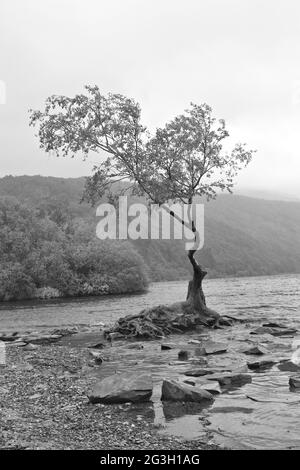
x,y
183,159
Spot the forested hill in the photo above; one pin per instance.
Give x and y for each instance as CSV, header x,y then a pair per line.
x,y
243,235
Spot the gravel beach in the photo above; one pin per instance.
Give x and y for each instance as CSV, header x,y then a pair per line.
x,y
43,405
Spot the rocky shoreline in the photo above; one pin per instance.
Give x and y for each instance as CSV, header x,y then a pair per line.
x,y
44,406
71,388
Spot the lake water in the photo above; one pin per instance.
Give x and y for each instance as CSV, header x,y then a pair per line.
x,y
270,418
258,298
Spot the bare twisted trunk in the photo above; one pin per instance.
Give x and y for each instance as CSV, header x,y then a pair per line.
x,y
175,318
195,295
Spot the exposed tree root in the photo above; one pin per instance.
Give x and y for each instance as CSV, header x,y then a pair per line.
x,y
176,318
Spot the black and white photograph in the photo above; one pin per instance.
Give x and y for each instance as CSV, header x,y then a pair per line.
x,y
149,229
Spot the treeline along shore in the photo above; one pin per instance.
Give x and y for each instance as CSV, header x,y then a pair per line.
x,y
49,248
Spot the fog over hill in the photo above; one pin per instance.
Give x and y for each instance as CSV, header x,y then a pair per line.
x,y
243,235
290,195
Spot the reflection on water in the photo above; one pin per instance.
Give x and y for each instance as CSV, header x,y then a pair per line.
x,y
262,414
176,410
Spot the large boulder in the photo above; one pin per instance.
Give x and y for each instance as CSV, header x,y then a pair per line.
x,y
122,388
178,391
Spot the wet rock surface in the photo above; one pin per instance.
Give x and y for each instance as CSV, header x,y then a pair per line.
x,y
175,391
167,347
260,365
231,378
197,372
288,366
274,330
255,351
212,347
237,390
122,388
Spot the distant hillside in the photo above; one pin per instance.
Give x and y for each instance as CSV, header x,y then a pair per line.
x,y
36,190
269,195
243,235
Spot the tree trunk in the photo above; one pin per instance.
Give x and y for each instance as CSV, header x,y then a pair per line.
x,y
195,295
176,318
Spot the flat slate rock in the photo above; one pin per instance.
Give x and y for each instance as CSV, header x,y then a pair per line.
x,y
274,331
167,347
273,398
122,388
288,366
260,365
212,347
231,378
177,391
17,344
255,351
198,372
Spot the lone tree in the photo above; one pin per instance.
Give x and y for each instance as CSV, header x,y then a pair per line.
x,y
180,161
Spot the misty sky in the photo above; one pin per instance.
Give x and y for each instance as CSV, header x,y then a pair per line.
x,y
240,56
